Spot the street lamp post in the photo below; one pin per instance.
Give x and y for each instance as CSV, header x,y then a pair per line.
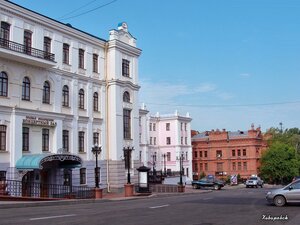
x,y
96,150
181,167
153,163
165,169
127,156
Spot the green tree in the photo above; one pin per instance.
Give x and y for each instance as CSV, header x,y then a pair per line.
x,y
279,164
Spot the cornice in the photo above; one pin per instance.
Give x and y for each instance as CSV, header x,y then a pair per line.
x,y
126,48
124,84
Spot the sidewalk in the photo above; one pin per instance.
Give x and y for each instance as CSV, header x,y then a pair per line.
x,y
105,198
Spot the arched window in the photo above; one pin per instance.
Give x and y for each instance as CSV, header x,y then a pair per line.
x,y
46,92
126,97
26,89
95,101
81,99
3,84
65,96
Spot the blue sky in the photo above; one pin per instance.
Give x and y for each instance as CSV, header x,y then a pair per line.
x,y
228,63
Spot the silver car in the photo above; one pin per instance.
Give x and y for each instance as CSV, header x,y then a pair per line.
x,y
254,181
287,194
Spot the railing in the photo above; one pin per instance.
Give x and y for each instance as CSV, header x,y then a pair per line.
x,y
4,43
164,188
39,190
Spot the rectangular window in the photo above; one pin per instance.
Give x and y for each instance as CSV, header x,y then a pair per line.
x,y
181,140
81,59
245,166
150,127
82,175
239,166
150,140
206,166
127,123
233,153
95,63
25,139
168,140
4,33
45,140
185,126
239,152
168,156
2,175
2,138
167,126
201,155
154,126
154,140
219,153
81,141
96,138
66,52
234,166
244,152
201,167
47,47
205,154
27,42
195,154
196,166
185,140
65,140
125,68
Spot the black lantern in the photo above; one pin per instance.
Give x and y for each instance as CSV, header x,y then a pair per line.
x,y
181,157
127,157
96,150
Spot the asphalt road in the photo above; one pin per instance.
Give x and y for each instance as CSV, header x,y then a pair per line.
x,y
225,207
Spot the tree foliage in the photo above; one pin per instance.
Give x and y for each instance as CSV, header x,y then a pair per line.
x,y
281,162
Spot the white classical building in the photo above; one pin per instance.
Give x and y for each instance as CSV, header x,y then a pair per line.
x,y
163,140
62,91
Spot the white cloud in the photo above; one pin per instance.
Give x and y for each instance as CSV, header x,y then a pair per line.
x,y
206,87
245,75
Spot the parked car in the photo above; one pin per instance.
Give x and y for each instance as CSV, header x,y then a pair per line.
x,y
208,182
287,194
254,181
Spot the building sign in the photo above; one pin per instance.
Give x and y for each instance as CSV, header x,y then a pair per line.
x,y
39,121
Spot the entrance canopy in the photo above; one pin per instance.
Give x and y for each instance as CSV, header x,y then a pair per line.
x,y
39,161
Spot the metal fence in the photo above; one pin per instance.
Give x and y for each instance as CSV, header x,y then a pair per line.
x,y
16,47
164,188
16,188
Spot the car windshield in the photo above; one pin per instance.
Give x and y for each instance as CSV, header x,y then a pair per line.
x,y
253,178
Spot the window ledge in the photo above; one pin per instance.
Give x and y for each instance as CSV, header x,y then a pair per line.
x,y
3,151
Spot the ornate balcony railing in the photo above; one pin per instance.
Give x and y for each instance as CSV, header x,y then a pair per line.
x,y
16,47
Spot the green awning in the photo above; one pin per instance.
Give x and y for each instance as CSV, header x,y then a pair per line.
x,y
36,161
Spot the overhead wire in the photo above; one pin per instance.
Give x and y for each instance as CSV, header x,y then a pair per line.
x,y
91,10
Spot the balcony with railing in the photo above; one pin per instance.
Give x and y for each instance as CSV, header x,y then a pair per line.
x,y
25,54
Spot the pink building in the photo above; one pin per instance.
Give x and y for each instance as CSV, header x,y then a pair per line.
x,y
169,138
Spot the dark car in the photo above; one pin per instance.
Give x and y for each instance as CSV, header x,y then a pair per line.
x,y
208,182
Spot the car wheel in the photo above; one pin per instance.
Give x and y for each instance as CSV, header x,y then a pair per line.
x,y
279,200
256,186
195,186
216,187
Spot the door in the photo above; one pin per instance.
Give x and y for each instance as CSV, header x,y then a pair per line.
x,y
44,188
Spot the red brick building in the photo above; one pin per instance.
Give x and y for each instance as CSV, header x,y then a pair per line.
x,y
224,153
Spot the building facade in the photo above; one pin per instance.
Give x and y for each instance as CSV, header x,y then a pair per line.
x,y
62,91
165,139
224,153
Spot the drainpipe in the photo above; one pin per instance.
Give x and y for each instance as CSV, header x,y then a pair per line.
x,y
106,116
